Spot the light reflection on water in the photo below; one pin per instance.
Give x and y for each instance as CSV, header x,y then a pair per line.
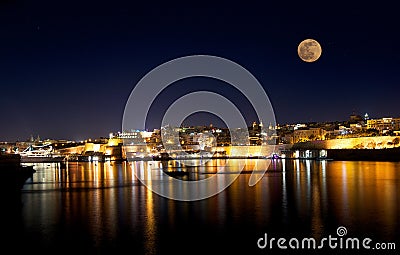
x,y
102,206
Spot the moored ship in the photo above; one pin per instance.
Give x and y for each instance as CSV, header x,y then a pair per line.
x,y
40,153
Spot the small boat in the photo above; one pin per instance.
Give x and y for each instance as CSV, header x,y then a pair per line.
x,y
176,173
275,156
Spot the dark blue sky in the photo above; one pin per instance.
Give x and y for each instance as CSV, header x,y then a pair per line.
x,y
68,67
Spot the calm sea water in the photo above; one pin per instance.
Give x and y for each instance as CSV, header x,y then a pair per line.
x,y
101,208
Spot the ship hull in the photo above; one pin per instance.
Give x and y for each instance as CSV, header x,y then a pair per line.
x,y
38,159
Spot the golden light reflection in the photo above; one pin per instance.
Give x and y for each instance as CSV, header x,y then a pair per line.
x,y
359,187
151,228
317,223
98,196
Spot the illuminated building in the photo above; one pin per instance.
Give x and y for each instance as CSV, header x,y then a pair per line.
x,y
384,124
304,135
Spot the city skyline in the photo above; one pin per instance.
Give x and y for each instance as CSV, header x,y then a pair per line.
x,y
67,69
353,118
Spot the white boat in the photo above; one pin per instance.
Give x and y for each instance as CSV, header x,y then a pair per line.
x,y
40,153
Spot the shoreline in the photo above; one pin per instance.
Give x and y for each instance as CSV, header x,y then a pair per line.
x,y
386,154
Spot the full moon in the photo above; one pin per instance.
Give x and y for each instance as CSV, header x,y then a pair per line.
x,y
309,50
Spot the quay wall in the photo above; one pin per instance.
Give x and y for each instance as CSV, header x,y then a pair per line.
x,y
376,142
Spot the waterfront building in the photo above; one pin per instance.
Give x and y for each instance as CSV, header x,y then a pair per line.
x,y
311,134
384,125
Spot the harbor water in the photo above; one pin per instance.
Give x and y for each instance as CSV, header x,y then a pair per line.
x,y
102,208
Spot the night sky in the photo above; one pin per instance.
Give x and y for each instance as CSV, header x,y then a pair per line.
x,y
67,67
